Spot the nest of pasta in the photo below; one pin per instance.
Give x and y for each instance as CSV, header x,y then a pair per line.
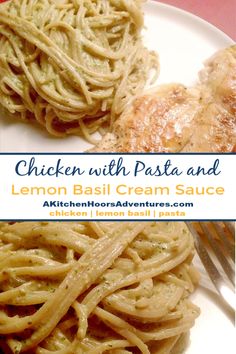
x,y
114,288
71,65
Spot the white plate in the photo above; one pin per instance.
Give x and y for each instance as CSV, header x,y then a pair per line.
x,y
214,331
183,42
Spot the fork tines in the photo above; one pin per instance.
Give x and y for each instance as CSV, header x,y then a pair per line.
x,y
215,245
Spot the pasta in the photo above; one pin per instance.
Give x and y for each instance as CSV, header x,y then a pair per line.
x,y
71,65
97,287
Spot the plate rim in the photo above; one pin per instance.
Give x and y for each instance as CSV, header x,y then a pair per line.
x,y
190,15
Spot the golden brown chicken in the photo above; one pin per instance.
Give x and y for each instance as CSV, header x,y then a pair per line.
x,y
173,118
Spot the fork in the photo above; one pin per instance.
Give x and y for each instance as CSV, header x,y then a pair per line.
x,y
215,245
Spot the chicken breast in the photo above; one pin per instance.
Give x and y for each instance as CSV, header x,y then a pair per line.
x,y
173,118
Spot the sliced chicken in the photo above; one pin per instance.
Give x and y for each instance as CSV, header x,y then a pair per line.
x,y
173,118
219,75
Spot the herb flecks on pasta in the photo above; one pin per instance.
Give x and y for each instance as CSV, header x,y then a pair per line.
x,y
95,288
71,64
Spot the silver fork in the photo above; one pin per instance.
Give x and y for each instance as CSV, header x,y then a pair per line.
x,y
215,245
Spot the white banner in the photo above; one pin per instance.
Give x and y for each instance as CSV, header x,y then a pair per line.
x,y
117,187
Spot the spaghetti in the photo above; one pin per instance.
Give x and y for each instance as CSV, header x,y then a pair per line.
x,y
71,65
113,288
